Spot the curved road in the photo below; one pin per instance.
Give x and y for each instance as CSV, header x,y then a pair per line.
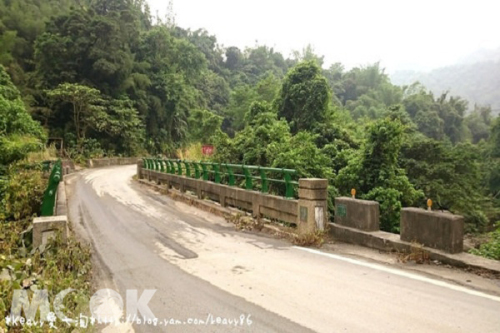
x,y
200,266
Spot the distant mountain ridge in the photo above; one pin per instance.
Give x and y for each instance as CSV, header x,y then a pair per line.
x,y
476,78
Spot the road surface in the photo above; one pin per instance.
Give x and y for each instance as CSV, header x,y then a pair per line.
x,y
202,268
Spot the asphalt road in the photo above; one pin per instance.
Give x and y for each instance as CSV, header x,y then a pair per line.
x,y
202,268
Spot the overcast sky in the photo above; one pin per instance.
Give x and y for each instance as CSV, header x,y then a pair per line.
x,y
420,34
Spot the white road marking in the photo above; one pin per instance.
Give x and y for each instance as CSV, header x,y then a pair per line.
x,y
401,273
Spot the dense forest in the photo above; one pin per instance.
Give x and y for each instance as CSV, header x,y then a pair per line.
x,y
111,79
476,78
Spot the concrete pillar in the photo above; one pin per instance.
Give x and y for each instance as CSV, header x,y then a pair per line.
x,y
46,227
312,206
139,170
199,190
256,207
182,186
222,196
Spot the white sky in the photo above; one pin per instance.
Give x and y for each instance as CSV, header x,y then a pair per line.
x,y
401,34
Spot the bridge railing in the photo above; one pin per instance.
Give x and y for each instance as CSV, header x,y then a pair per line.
x,y
49,196
249,177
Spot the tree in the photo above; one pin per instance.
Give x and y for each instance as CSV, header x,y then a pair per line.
x,y
253,140
242,98
21,23
121,122
215,91
449,175
478,123
203,125
360,81
308,54
19,133
430,124
304,97
86,106
452,111
233,58
375,173
256,109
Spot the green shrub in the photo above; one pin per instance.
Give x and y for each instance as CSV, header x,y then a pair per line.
x,y
390,207
491,249
22,193
19,133
54,268
475,221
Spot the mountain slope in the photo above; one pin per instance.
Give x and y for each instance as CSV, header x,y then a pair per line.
x,y
478,82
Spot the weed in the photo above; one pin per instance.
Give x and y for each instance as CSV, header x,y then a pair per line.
x,y
315,238
417,254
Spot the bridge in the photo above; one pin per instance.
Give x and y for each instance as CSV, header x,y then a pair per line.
x,y
201,265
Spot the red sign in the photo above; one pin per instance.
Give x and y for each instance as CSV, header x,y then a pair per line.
x,y
207,150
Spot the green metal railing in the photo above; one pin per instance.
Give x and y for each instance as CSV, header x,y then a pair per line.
x,y
49,197
249,177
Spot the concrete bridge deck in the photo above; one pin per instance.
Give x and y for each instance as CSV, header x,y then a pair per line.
x,y
200,266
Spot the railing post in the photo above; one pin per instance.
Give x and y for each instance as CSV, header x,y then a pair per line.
x,y
263,179
196,170
216,168
49,197
248,177
288,184
188,170
230,172
205,170
172,166
162,166
179,167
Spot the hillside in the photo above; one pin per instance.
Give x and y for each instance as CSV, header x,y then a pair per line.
x,y
476,78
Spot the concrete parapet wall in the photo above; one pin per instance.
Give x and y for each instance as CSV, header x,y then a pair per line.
x,y
259,204
61,204
103,162
309,212
359,214
439,230
46,227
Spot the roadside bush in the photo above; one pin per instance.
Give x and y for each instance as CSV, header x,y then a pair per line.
x,y
19,133
491,249
54,267
390,207
21,193
475,221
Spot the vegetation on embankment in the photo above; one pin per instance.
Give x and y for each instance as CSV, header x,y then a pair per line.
x,y
491,248
54,267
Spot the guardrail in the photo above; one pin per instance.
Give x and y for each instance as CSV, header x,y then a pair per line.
x,y
49,196
229,173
